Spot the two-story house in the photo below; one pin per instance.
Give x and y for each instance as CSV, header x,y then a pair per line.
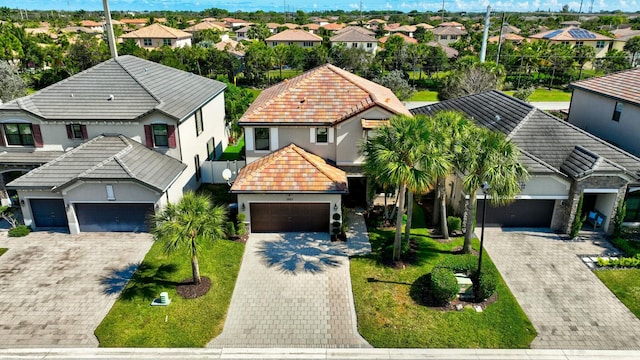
x,y
108,146
575,36
298,37
356,37
157,35
302,140
609,107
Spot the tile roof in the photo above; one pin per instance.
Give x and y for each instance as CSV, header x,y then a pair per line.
x,y
290,169
448,30
157,31
353,36
134,21
404,37
544,138
448,50
355,28
623,85
425,26
625,34
205,25
298,101
138,87
28,158
294,35
404,28
333,26
104,158
508,36
89,23
568,34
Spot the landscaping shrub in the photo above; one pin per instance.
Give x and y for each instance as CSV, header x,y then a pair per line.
x,y
19,231
628,247
443,286
466,263
621,212
578,220
231,229
624,262
524,93
454,223
486,284
240,227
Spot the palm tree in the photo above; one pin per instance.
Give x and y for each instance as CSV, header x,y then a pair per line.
x,y
398,155
187,224
489,157
584,54
450,128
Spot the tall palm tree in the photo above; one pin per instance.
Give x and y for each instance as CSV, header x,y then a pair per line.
x,y
489,157
187,224
399,154
450,128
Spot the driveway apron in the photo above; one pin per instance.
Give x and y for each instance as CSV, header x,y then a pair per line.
x,y
56,288
294,290
568,305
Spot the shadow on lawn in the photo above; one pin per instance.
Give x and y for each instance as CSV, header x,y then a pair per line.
x,y
138,280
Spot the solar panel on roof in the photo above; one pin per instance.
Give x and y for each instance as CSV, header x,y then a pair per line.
x,y
581,34
552,34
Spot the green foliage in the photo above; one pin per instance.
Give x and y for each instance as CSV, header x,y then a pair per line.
x,y
524,93
396,82
621,212
231,229
465,263
3,250
622,262
11,84
471,78
624,284
486,284
627,246
240,226
443,286
454,223
19,231
387,248
578,220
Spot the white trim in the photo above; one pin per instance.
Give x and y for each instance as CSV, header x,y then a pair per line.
x,y
349,163
273,139
526,197
331,139
312,135
600,191
248,139
634,189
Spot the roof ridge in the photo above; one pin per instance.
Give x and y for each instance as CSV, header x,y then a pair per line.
x,y
307,156
135,78
124,151
522,122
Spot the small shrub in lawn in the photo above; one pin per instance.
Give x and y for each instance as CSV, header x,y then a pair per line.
x,y
19,231
454,223
443,286
486,284
231,228
240,227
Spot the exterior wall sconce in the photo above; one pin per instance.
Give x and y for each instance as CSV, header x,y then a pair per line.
x,y
22,202
242,207
335,207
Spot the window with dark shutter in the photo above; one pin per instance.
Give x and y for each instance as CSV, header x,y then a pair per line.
x,y
21,134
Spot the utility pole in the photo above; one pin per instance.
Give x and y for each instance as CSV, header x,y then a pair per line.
x,y
580,11
500,40
442,20
485,34
591,7
109,28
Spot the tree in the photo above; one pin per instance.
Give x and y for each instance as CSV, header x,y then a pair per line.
x,y
401,154
560,58
258,32
583,55
86,52
258,60
472,79
395,81
11,84
633,46
188,224
280,56
615,60
489,157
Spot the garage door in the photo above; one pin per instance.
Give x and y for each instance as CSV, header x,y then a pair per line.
x,y
520,213
48,213
287,217
113,217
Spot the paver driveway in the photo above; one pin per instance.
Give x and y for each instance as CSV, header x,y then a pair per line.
x,y
568,305
55,288
294,290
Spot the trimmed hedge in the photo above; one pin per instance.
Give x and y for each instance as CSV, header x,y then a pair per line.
x,y
629,247
486,285
443,286
623,262
19,231
454,223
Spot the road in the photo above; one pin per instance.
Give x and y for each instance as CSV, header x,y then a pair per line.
x,y
547,105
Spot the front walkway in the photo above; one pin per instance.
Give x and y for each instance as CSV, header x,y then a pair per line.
x,y
294,290
567,304
56,288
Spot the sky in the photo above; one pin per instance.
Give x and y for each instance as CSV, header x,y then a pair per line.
x,y
319,5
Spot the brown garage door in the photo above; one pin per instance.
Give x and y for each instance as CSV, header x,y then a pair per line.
x,y
288,217
520,213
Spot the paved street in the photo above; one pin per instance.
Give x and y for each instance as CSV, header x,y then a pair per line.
x,y
55,288
294,290
568,305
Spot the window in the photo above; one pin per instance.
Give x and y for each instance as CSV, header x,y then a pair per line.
x,y
262,138
196,159
579,43
166,42
354,45
322,135
453,37
633,207
147,42
290,43
19,134
443,37
600,44
111,195
308,44
369,45
273,43
617,111
76,131
160,135
199,124
565,43
211,149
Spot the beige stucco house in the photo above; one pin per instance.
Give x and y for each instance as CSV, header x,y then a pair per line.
x,y
576,36
157,35
355,37
105,148
302,149
298,37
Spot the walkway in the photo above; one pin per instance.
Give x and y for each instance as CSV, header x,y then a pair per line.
x,y
56,288
294,290
567,304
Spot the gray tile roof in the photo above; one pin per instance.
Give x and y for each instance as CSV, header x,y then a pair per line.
x,y
353,36
28,158
541,137
122,89
106,157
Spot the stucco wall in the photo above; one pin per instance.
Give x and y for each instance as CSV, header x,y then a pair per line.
x,y
349,136
593,113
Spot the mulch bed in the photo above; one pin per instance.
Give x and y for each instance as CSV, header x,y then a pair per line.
x,y
451,306
188,290
239,239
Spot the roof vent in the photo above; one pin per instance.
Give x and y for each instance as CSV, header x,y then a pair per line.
x,y
111,97
145,70
71,95
497,117
303,100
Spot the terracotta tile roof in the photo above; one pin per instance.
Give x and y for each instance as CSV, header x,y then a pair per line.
x,y
406,39
368,124
622,85
291,26
294,35
451,52
290,169
448,30
509,36
333,26
404,28
157,31
89,23
311,26
356,28
451,24
425,26
134,21
353,36
325,95
205,25
565,34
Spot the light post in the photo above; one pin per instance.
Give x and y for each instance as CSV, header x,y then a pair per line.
x,y
485,189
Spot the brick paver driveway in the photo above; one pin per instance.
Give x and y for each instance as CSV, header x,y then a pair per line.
x,y
55,288
568,305
294,290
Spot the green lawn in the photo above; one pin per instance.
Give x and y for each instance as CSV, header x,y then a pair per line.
x,y
424,95
132,322
3,250
625,284
286,73
388,316
544,95
233,151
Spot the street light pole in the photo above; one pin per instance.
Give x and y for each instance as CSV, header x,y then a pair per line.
x,y
485,189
